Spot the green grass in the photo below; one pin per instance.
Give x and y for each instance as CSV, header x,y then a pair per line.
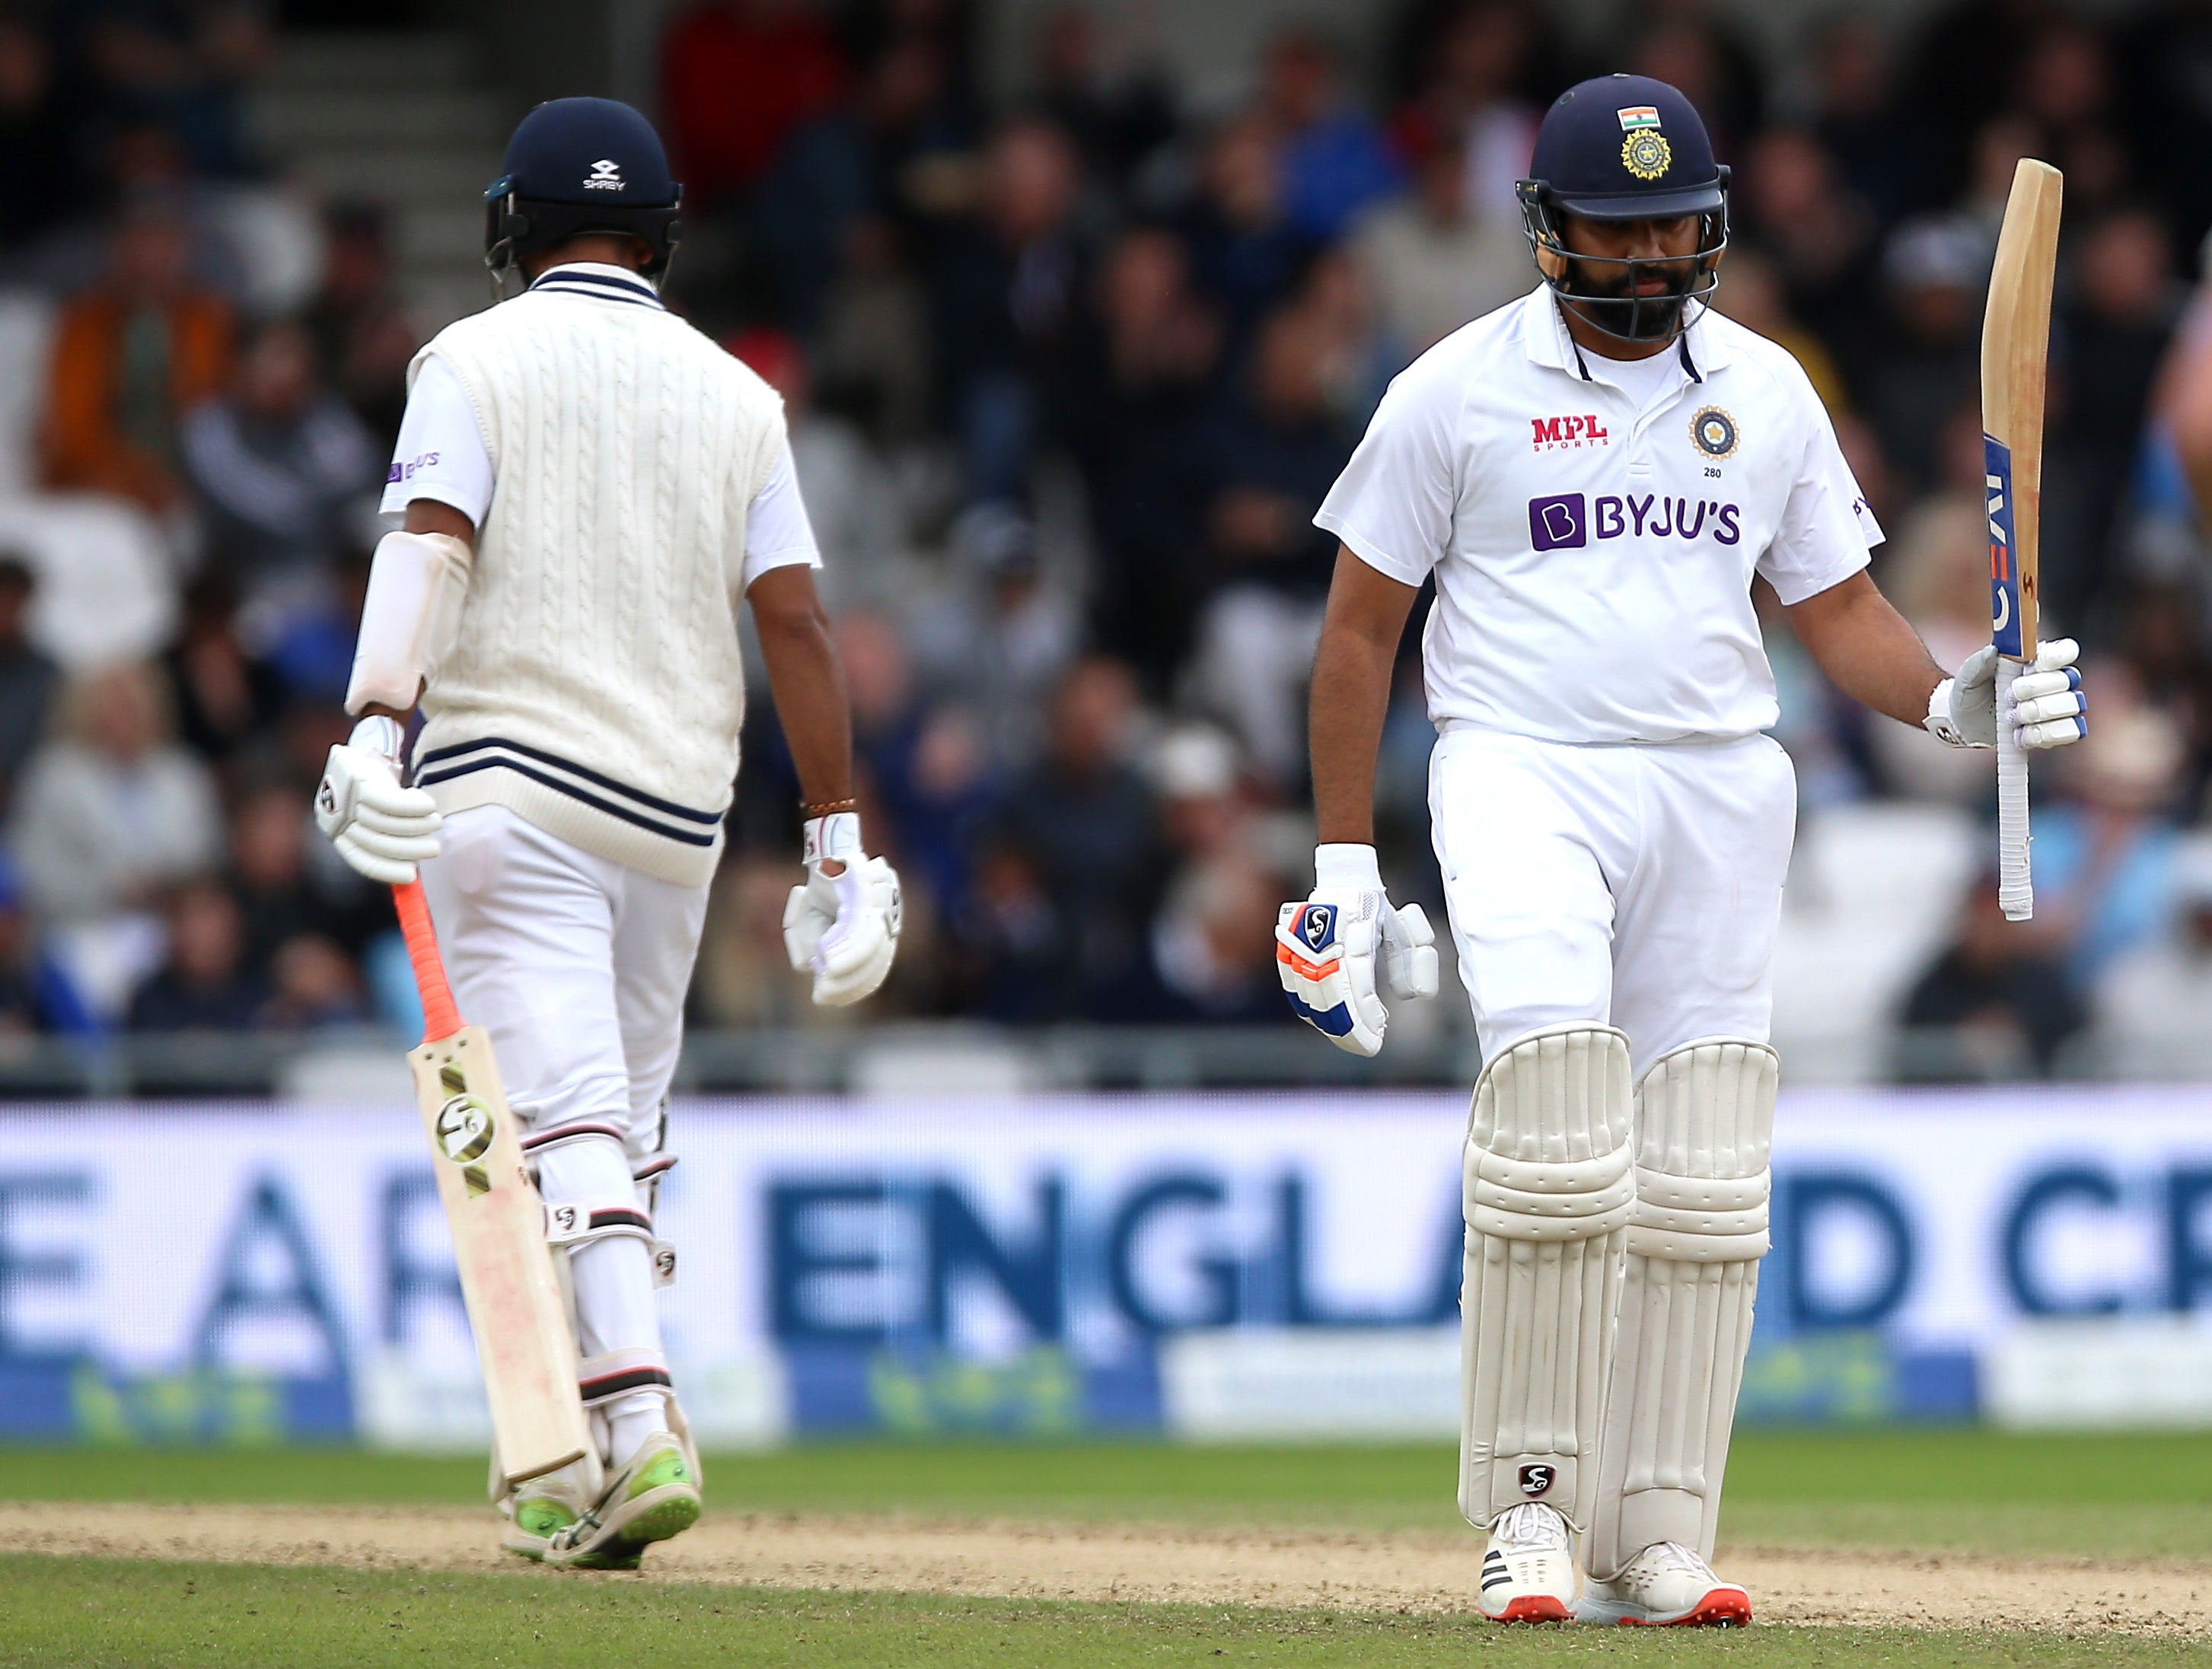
x,y
95,1614
2119,1495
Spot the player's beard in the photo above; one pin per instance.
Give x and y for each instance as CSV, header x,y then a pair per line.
x,y
1603,291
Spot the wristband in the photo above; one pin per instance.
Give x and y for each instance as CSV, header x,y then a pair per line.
x,y
1343,866
834,839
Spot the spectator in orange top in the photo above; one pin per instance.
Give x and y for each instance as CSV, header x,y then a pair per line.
x,y
737,75
131,357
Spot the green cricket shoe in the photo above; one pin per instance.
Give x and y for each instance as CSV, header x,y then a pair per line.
x,y
542,1513
653,1498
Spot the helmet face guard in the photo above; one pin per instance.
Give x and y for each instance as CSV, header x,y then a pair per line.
x,y
516,227
1624,314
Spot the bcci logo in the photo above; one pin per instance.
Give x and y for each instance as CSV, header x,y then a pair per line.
x,y
1534,1480
1646,153
1319,925
465,1129
1712,431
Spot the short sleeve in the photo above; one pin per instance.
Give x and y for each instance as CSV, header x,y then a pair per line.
x,y
1393,504
440,453
1826,530
777,531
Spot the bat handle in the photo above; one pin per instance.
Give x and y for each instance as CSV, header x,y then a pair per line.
x,y
2015,887
440,1018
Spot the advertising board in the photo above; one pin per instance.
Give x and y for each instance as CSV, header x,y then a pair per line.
x,y
1039,1264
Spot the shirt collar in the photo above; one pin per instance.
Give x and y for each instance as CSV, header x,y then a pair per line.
x,y
597,279
1544,337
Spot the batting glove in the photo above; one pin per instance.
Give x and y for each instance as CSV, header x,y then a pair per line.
x,y
2046,704
1327,950
381,829
843,928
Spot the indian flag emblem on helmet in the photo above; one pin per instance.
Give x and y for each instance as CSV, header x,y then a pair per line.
x,y
1646,154
1638,116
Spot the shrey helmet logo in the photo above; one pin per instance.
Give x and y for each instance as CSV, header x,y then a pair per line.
x,y
465,1129
605,176
1535,1479
1713,432
1646,153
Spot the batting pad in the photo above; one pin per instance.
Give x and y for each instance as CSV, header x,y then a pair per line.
x,y
1548,1192
1705,1120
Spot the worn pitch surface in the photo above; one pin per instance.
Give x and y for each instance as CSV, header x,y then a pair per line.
x,y
1400,1571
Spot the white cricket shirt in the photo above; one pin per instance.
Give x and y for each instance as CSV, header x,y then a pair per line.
x,y
1594,550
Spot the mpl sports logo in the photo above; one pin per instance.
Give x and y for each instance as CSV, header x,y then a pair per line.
x,y
1569,521
1568,434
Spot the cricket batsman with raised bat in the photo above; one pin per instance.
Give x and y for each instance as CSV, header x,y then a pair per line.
x,y
1594,476
588,487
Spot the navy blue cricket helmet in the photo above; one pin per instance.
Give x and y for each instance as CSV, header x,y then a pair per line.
x,y
576,166
1626,148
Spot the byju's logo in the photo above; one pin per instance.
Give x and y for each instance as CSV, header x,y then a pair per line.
x,y
605,176
1570,522
1558,523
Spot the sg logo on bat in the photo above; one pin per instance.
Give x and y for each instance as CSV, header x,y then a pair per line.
x,y
465,1129
2004,572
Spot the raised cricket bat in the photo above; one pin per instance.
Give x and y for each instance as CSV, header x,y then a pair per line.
x,y
515,1306
2015,359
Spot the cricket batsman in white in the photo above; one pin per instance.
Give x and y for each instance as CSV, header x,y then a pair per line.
x,y
1594,476
588,487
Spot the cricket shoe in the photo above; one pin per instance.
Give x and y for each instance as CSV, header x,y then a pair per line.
x,y
1665,1586
654,1496
1528,1569
544,1508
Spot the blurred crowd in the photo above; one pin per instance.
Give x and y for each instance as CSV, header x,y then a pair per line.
x,y
1067,373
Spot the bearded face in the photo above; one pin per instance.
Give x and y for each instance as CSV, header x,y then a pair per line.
x,y
1631,280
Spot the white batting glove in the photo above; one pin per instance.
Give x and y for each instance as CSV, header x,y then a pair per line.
x,y
1328,948
2046,704
379,828
843,927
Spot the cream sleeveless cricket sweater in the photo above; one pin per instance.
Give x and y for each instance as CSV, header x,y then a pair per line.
x,y
594,686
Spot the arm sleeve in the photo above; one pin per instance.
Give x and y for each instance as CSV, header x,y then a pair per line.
x,y
1393,505
777,531
1826,529
441,453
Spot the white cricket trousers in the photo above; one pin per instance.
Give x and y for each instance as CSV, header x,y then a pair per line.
x,y
577,965
1640,888
1636,886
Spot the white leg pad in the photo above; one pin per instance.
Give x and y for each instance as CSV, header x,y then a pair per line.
x,y
1705,1123
1548,1193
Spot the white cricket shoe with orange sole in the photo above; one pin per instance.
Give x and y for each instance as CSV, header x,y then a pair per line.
x,y
1528,1569
1665,1586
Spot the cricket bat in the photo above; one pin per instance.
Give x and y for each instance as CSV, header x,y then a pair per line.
x,y
516,1310
2015,360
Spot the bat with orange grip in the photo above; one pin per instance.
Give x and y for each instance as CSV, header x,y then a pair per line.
x,y
525,1341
